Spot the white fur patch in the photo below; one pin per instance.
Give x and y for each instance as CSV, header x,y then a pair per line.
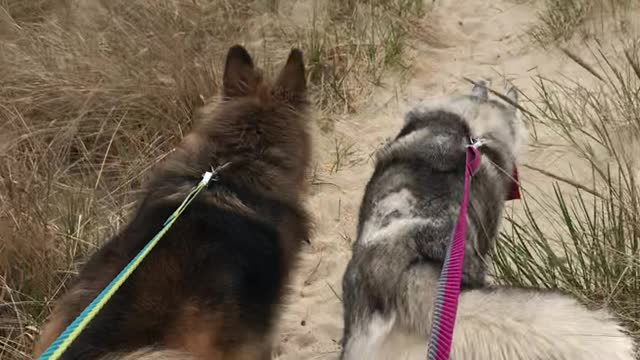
x,y
511,324
381,339
402,203
504,324
395,229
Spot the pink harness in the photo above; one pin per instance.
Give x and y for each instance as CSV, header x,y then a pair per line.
x,y
446,303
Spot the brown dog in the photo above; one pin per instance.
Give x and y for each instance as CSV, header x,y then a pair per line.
x,y
212,286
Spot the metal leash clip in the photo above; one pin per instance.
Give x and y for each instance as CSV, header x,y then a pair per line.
x,y
476,142
213,174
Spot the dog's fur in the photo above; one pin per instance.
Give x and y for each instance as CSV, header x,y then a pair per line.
x,y
406,219
212,286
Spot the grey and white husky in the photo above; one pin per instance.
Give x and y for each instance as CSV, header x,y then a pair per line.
x,y
406,219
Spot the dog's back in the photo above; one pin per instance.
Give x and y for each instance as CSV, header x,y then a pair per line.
x,y
406,219
211,287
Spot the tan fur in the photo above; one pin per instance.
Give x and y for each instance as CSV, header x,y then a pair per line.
x,y
49,333
196,329
152,354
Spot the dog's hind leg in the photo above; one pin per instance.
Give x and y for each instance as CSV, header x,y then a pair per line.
x,y
400,332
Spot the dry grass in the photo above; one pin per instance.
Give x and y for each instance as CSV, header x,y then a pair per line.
x,y
562,19
94,93
585,237
587,242
351,45
87,106
345,155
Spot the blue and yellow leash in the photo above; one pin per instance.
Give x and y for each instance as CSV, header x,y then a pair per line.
x,y
58,347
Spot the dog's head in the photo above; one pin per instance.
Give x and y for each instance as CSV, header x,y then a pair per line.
x,y
259,126
495,120
442,125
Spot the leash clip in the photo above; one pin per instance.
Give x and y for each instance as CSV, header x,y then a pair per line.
x,y
212,175
476,142
473,159
206,177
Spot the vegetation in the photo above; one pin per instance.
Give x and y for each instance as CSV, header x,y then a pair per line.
x,y
586,239
562,19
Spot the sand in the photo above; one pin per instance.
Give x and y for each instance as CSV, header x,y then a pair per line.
x,y
480,39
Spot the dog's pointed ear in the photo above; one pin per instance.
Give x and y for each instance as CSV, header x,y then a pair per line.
x,y
240,77
291,84
480,90
512,94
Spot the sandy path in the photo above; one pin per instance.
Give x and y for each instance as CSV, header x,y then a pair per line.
x,y
480,39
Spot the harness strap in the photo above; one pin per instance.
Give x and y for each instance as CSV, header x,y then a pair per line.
x,y
446,303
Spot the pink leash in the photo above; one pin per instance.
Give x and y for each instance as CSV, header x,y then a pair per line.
x,y
446,304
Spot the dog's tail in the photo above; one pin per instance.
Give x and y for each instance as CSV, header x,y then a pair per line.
x,y
150,354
